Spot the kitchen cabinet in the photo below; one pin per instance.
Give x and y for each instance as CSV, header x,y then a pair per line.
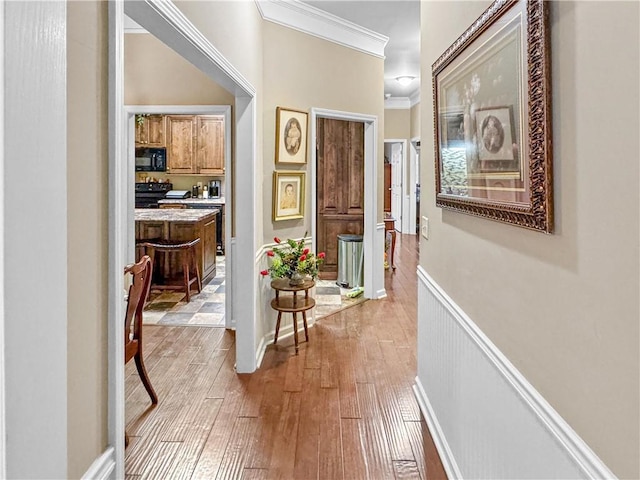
x,y
179,225
180,144
150,131
199,203
210,144
195,144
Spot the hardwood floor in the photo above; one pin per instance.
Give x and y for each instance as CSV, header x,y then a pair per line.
x,y
342,409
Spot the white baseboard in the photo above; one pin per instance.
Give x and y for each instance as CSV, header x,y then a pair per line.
x,y
446,456
103,467
487,420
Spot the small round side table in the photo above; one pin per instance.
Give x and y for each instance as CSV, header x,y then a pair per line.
x,y
292,304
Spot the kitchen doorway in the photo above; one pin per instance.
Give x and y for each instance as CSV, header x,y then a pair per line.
x,y
170,308
174,29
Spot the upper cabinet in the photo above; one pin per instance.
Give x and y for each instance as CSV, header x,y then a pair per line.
x,y
195,144
150,131
210,144
180,143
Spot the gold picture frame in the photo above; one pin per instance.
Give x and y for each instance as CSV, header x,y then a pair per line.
x,y
291,136
492,116
288,195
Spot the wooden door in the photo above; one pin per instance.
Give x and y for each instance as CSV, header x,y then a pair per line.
x,y
210,144
340,186
387,187
180,155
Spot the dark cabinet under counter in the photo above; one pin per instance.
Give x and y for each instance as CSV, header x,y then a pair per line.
x,y
180,226
199,203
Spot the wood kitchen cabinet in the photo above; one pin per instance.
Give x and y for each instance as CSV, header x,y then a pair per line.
x,y
179,225
150,131
195,144
180,144
210,144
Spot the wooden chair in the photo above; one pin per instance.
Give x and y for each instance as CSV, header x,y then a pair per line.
x,y
138,293
189,262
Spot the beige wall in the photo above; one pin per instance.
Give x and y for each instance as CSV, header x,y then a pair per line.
x,y
235,28
87,233
563,307
156,75
323,75
415,121
397,124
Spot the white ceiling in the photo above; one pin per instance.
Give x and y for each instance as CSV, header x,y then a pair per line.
x,y
397,19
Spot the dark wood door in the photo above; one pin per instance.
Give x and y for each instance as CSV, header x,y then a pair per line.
x,y
340,187
387,187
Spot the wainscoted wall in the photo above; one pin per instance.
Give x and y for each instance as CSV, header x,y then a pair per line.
x,y
266,330
485,417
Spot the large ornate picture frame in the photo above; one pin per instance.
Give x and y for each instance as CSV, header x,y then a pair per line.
x,y
291,136
492,116
288,195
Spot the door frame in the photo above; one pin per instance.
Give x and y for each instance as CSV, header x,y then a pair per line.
x,y
414,178
372,241
167,23
406,225
131,111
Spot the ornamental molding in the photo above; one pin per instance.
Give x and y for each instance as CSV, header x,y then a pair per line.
x,y
313,21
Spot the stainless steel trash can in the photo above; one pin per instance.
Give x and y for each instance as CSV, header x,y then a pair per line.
x,y
350,261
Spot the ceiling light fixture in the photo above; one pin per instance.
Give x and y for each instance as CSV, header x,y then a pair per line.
x,y
405,80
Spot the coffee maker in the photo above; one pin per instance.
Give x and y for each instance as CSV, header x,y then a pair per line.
x,y
215,190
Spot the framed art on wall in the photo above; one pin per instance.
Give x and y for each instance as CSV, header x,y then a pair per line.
x,y
492,117
288,195
291,136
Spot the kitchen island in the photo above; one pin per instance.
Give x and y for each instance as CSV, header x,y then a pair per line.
x,y
202,203
179,225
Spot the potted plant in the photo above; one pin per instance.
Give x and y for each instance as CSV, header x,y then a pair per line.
x,y
292,260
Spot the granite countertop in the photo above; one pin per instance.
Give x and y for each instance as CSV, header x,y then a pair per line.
x,y
194,201
187,215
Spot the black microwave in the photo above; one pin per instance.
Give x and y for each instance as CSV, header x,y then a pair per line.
x,y
151,159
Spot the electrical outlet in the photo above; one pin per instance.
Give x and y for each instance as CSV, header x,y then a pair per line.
x,y
424,229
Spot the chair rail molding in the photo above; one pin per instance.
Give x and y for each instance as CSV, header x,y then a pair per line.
x,y
487,420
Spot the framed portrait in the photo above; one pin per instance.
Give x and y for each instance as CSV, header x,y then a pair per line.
x,y
288,195
291,136
492,115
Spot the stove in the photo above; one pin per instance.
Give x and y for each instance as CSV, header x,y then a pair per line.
x,y
148,194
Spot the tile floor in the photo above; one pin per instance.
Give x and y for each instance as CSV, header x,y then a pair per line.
x,y
207,308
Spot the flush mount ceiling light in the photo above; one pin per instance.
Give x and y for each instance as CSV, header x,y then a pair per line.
x,y
405,80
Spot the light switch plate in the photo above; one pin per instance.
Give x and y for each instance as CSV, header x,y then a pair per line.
x,y
424,228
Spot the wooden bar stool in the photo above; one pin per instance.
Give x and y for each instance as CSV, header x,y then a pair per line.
x,y
187,252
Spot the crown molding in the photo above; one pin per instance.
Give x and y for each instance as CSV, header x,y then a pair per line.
x,y
313,21
397,103
414,98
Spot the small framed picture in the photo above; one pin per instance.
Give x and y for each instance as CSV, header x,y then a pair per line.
x,y
291,136
495,133
288,195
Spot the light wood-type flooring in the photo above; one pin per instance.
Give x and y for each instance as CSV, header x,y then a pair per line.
x,y
342,409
